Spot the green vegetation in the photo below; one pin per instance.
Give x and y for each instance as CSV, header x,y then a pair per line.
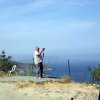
x,y
95,74
65,78
30,74
5,62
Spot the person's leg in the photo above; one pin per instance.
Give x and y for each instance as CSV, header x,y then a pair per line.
x,y
38,70
41,69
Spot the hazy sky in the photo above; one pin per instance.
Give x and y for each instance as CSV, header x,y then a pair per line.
x,y
61,26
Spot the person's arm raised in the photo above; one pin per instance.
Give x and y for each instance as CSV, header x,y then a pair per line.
x,y
41,51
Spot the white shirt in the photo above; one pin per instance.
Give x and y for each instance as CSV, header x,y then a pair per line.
x,y
37,59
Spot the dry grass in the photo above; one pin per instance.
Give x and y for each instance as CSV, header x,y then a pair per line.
x,y
65,79
23,84
48,90
3,74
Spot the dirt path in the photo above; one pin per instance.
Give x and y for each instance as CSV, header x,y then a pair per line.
x,y
26,78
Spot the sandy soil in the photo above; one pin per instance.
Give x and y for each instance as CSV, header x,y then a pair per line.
x,y
22,90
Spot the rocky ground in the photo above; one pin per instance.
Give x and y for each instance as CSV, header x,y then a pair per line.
x,y
32,88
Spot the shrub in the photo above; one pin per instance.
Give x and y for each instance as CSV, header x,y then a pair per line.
x,y
95,74
65,78
5,62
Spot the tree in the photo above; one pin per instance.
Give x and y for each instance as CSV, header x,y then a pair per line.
x,y
95,74
5,62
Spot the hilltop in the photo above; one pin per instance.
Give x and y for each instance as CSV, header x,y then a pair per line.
x,y
45,89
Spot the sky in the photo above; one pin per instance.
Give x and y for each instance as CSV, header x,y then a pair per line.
x,y
63,27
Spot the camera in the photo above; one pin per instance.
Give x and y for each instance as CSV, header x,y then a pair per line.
x,y
43,48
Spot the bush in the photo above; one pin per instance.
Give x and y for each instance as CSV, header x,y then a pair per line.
x,y
5,62
95,74
65,78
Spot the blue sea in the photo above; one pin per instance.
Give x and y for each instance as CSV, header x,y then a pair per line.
x,y
78,69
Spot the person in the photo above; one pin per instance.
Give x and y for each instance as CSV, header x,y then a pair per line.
x,y
38,60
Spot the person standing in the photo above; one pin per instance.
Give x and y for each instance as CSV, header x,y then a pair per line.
x,y
38,60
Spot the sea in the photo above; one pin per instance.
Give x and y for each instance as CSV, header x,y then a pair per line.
x,y
78,69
